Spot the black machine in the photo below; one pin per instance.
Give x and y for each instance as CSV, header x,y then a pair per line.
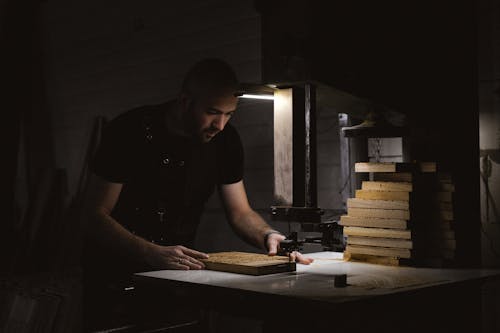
x,y
331,239
295,190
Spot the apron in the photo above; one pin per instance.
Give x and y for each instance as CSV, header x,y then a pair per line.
x,y
164,201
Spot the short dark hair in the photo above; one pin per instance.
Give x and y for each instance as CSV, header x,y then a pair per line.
x,y
210,75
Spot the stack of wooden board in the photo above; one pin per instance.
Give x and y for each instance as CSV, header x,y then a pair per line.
x,y
396,217
441,229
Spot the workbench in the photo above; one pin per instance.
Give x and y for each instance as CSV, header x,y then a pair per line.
x,y
377,298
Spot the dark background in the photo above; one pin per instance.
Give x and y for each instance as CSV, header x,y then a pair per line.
x,y
64,63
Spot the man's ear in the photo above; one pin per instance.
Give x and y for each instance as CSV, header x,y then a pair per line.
x,y
185,101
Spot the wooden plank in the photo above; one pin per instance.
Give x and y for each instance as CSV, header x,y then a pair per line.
x,y
382,242
399,214
444,196
383,195
446,215
442,253
428,167
377,204
283,140
446,187
447,234
248,263
350,221
445,206
393,177
379,251
450,244
444,177
386,186
378,260
377,232
383,167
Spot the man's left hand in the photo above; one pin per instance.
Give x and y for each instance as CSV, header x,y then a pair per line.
x,y
273,244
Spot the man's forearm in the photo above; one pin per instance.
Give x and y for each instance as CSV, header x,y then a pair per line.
x,y
251,227
111,234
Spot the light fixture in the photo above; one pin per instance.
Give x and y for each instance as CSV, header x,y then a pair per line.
x,y
253,96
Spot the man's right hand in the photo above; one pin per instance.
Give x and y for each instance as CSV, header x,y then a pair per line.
x,y
174,257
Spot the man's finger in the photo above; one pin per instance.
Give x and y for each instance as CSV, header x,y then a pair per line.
x,y
273,242
192,262
177,264
194,253
299,257
272,245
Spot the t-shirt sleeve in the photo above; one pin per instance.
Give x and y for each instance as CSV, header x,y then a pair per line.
x,y
230,156
110,160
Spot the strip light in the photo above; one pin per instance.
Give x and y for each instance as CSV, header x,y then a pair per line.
x,y
268,97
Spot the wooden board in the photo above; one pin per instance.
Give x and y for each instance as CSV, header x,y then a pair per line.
x,y
386,186
399,214
444,177
446,187
445,206
377,232
428,166
450,244
383,167
383,195
379,251
379,204
446,215
393,177
378,260
444,196
351,221
381,242
248,263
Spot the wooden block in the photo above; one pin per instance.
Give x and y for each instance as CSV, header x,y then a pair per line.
x,y
446,187
443,196
444,177
445,225
384,167
442,234
428,166
377,232
379,204
446,215
248,263
379,251
350,221
393,177
381,242
380,213
449,244
386,186
383,195
378,260
445,206
444,253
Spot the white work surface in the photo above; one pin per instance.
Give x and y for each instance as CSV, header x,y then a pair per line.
x,y
315,281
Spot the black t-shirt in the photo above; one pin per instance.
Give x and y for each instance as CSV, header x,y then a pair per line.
x,y
166,178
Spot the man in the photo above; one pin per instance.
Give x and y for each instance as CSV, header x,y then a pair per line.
x,y
155,169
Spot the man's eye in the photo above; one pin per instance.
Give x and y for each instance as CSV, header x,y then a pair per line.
x,y
212,112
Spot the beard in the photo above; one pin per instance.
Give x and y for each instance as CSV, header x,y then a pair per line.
x,y
208,134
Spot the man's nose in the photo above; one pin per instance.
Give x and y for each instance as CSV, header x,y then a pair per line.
x,y
219,122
